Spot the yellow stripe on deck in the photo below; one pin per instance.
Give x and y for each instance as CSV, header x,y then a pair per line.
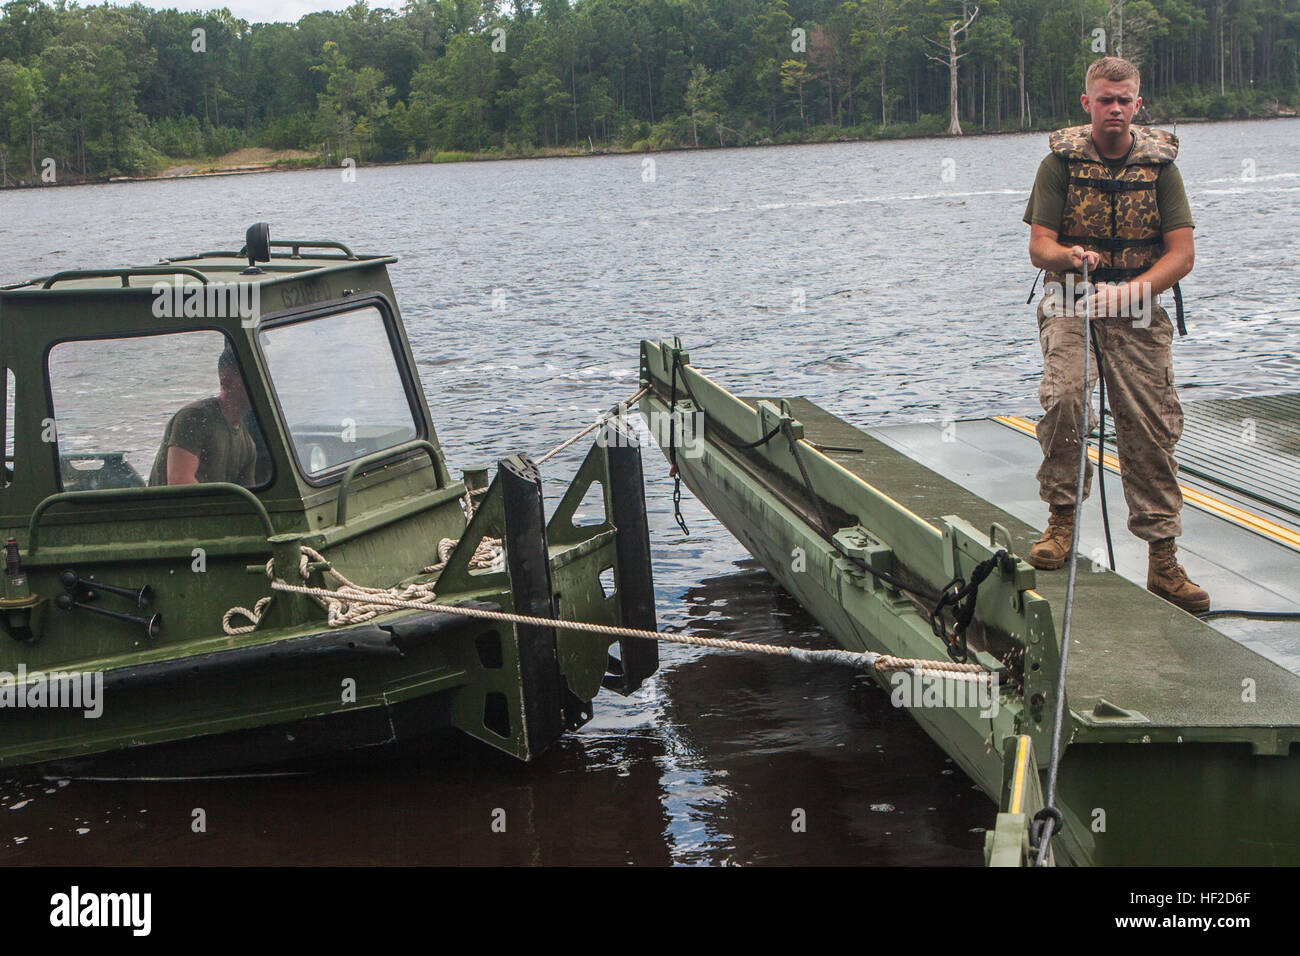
x,y
1018,782
1206,502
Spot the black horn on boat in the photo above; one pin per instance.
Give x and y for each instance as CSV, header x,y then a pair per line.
x,y
152,624
79,593
142,596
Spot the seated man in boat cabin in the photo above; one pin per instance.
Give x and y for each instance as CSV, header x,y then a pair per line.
x,y
1113,195
209,440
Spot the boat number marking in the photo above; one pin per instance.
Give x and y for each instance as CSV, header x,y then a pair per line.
x,y
304,293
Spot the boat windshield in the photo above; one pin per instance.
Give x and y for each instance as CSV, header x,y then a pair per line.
x,y
152,409
338,381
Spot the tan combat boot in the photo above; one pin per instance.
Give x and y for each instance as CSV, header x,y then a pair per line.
x,y
1050,551
1167,579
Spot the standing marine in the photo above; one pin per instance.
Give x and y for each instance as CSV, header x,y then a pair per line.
x,y
1110,192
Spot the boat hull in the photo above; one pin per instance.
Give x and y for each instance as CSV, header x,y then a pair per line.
x,y
512,685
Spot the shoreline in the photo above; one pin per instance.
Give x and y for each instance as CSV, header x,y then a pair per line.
x,y
562,153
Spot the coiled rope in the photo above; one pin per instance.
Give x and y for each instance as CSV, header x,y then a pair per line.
x,y
489,553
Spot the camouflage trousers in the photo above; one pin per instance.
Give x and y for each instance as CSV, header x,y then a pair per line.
x,y
1140,393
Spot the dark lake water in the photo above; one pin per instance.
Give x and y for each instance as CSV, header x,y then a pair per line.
x,y
885,281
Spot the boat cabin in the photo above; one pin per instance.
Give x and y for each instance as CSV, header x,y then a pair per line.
x,y
180,434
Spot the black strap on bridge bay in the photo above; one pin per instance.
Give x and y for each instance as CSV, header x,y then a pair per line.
x,y
961,596
672,455
816,500
722,431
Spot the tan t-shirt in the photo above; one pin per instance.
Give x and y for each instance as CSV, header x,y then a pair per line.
x,y
225,452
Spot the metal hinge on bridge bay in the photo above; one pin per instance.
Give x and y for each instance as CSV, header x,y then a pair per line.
x,y
964,538
770,417
857,542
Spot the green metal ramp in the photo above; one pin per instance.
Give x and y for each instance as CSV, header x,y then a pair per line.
x,y
1179,745
1168,671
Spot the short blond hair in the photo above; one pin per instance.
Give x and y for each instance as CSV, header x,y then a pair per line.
x,y
1113,68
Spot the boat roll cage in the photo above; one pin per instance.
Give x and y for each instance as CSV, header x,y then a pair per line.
x,y
166,268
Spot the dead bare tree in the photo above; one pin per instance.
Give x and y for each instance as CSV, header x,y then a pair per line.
x,y
1130,30
1115,17
955,29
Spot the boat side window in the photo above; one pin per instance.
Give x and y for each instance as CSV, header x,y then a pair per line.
x,y
339,385
163,409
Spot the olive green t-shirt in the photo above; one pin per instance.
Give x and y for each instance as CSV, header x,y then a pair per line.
x,y
225,452
1047,201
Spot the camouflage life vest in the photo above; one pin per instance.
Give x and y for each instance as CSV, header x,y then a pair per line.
x,y
1114,214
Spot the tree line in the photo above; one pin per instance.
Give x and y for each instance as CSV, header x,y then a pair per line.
x,y
112,89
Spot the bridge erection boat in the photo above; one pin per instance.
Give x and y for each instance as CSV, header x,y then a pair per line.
x,y
226,510
1180,739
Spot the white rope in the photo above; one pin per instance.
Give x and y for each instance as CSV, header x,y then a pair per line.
x,y
489,555
352,603
620,407
254,616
